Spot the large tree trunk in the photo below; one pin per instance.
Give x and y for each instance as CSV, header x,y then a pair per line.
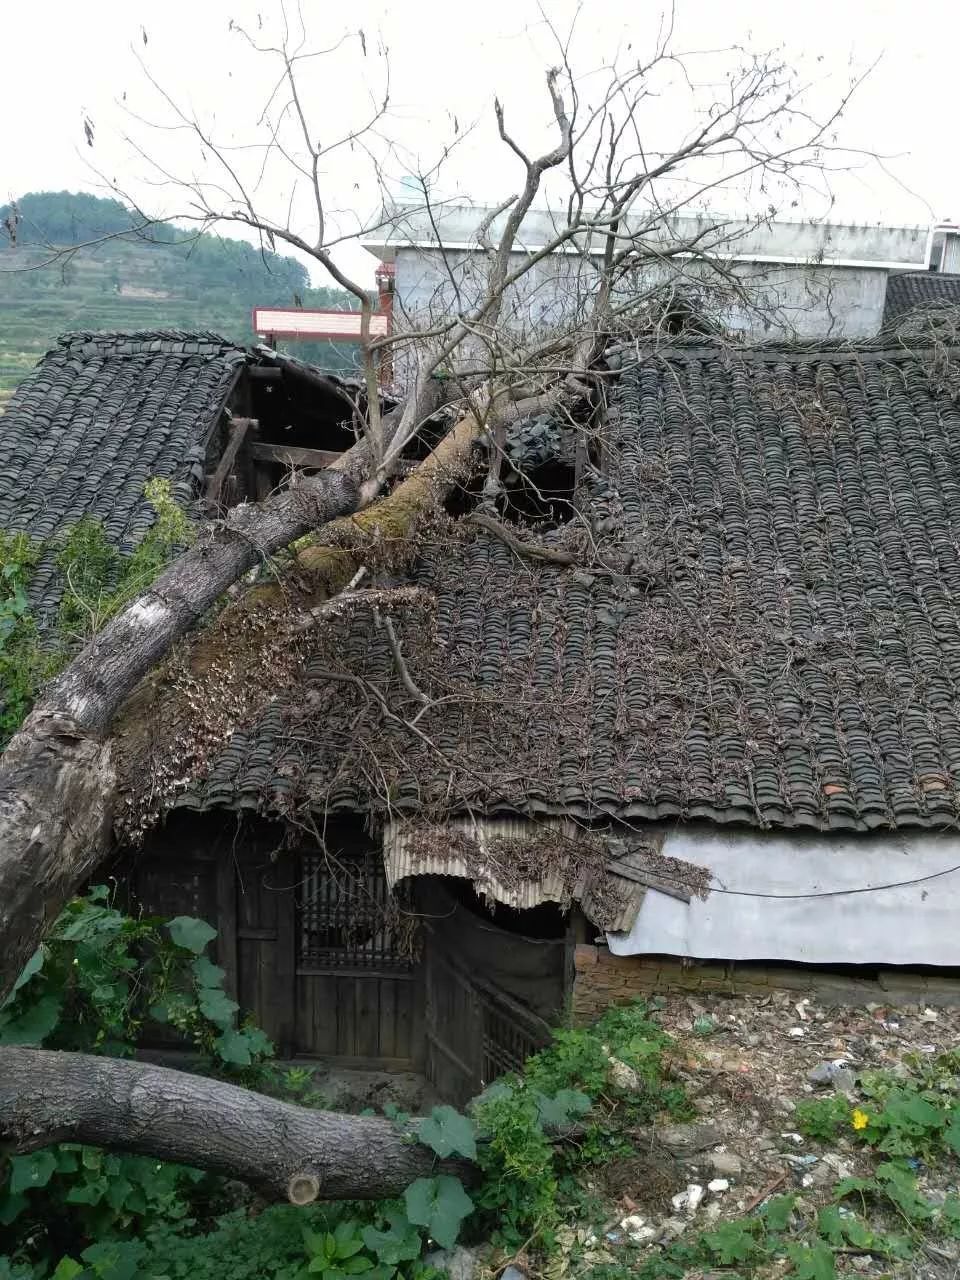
x,y
66,784
57,780
285,1152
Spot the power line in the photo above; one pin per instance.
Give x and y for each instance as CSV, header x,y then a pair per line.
x,y
839,893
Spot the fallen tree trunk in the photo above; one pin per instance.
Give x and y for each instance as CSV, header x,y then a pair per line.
x,y
57,780
66,784
285,1152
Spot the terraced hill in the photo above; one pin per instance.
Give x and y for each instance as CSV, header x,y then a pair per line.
x,y
171,280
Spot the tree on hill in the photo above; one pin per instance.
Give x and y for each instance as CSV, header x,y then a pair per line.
x,y
66,218
75,768
63,220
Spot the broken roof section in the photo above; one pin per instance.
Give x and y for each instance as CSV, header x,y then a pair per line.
x,y
101,415
770,637
524,864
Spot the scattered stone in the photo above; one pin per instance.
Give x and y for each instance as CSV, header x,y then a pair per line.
x,y
718,1184
726,1163
643,1235
823,1176
458,1263
796,1138
671,1229
623,1076
842,1168
513,1273
786,1105
688,1137
837,1073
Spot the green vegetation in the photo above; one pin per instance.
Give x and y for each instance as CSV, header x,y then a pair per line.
x,y
103,979
99,581
102,982
165,278
23,664
914,1118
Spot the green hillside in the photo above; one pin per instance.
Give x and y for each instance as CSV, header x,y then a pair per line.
x,y
173,280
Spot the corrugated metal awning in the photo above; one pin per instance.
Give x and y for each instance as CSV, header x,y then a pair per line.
x,y
519,863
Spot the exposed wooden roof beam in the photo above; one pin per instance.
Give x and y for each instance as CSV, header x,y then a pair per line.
x,y
293,455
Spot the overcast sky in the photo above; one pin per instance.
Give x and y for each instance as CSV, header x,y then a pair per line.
x,y
61,62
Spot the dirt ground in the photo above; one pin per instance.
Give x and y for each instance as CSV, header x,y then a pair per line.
x,y
745,1063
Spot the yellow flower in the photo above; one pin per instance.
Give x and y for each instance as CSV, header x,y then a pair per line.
x,y
860,1119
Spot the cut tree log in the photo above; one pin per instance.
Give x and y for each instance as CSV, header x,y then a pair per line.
x,y
285,1152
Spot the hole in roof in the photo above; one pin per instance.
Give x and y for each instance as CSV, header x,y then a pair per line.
x,y
541,496
292,411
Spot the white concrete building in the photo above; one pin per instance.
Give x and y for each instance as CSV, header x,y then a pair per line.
x,y
801,280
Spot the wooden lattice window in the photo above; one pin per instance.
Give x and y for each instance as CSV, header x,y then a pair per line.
x,y
347,918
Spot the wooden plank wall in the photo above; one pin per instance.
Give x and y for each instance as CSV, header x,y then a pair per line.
x,y
244,883
361,1018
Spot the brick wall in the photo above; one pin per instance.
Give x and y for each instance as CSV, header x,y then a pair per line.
x,y
602,979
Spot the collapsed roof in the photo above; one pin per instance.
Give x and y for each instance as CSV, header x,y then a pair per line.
x,y
102,413
762,627
763,630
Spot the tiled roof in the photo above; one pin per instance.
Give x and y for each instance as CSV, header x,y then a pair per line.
x,y
907,290
778,642
100,415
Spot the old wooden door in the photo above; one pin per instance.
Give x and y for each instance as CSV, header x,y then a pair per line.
x,y
492,996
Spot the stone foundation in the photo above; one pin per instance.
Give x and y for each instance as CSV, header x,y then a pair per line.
x,y
603,979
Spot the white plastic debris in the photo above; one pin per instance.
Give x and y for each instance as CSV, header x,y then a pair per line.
x,y
718,1184
637,1228
797,1033
689,1199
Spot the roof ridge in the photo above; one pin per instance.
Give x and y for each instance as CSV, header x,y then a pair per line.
x,y
107,336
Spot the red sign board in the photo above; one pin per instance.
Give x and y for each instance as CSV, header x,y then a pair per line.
x,y
307,325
